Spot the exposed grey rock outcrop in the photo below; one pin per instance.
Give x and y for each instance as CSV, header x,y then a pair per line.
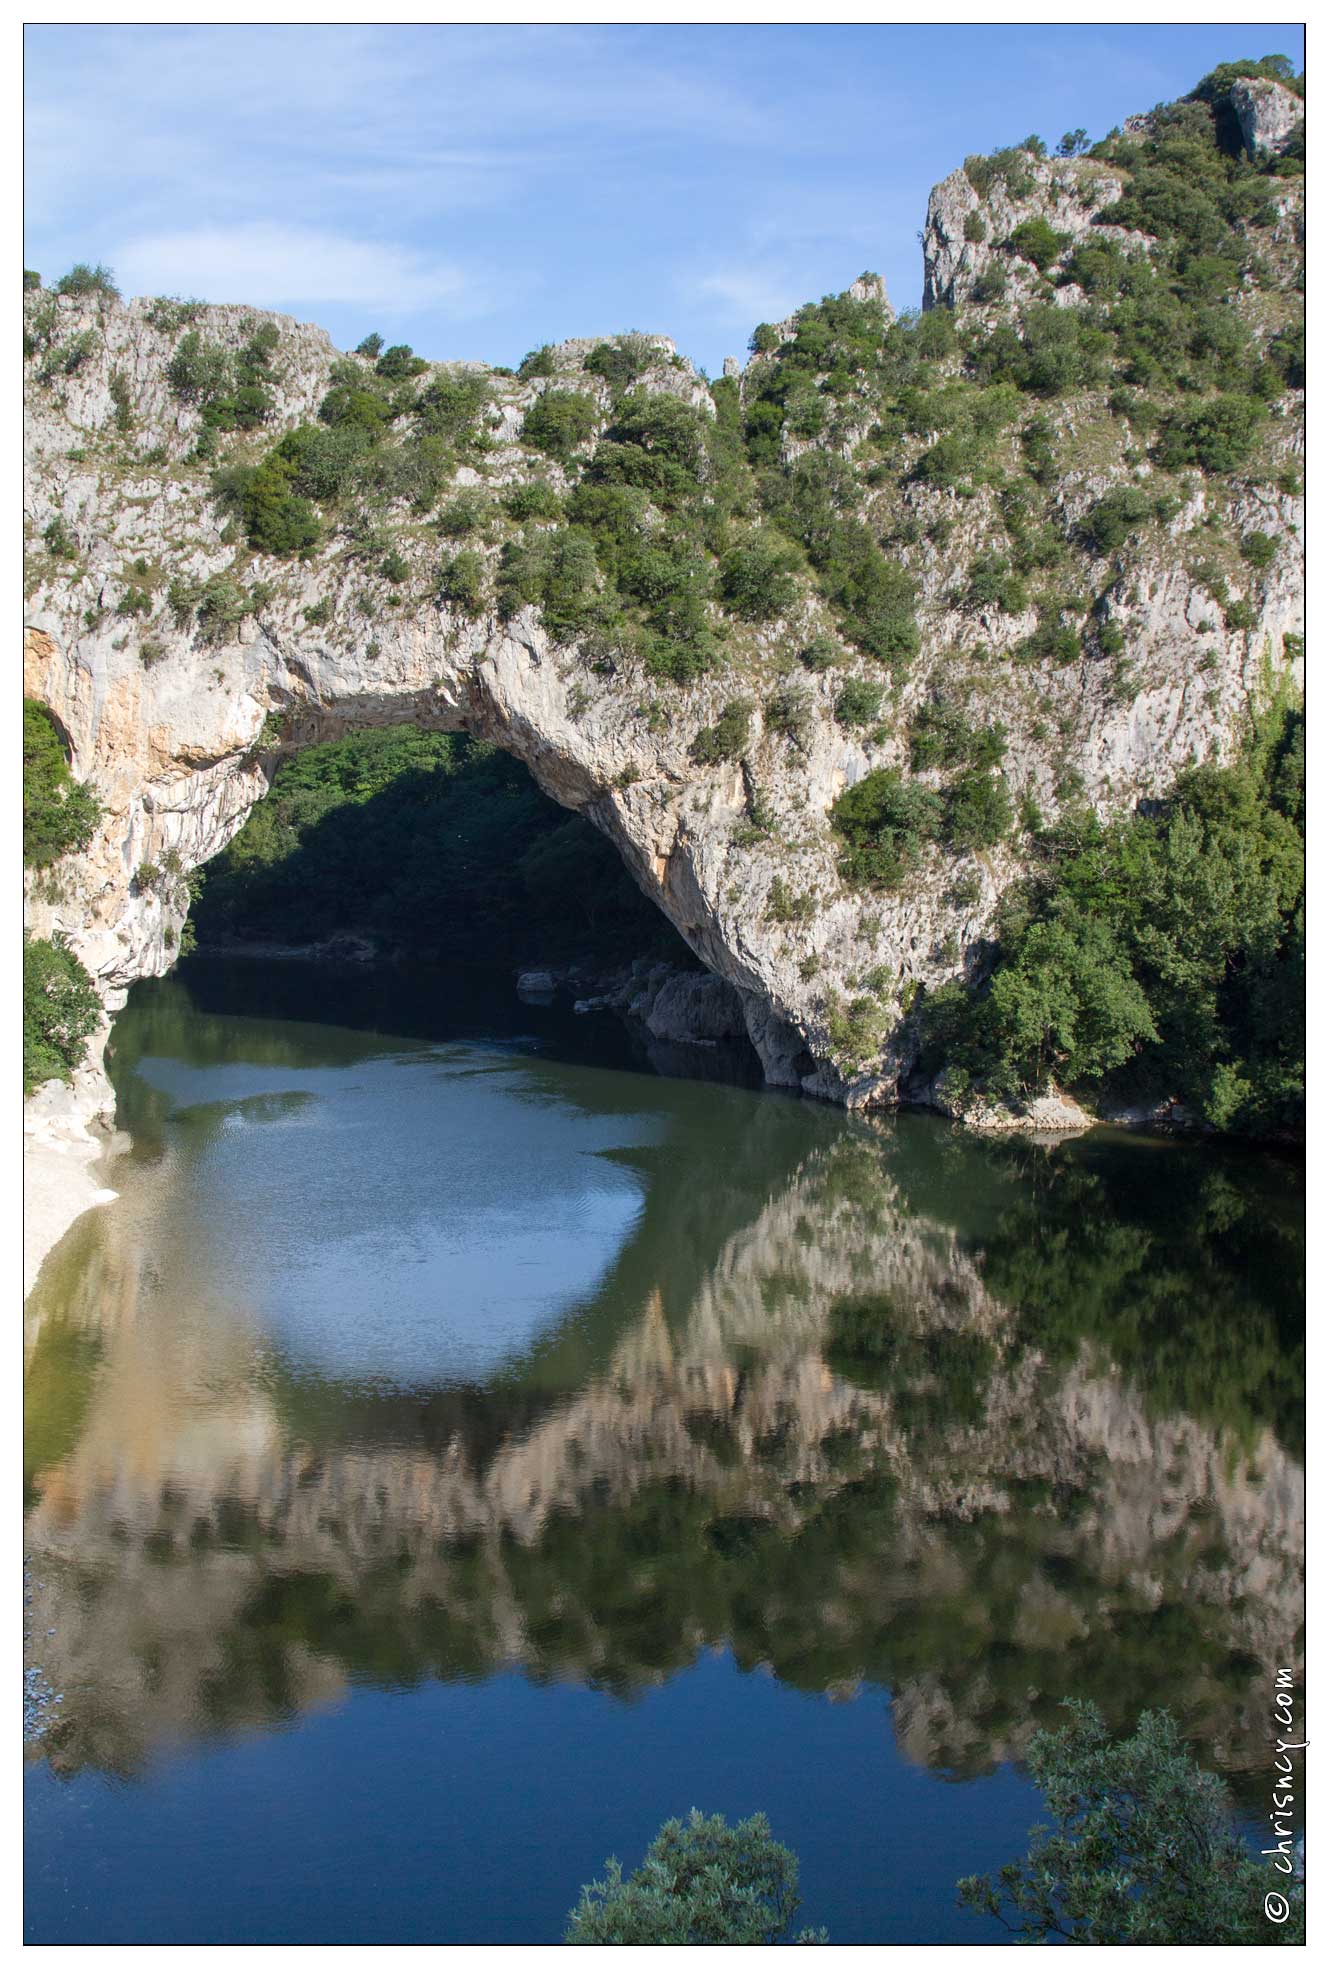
x,y
695,1006
1067,192
1267,112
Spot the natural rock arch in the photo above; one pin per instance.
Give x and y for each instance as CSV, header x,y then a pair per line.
x,y
179,799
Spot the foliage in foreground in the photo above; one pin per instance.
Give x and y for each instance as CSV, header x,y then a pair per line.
x,y
60,1011
1158,956
59,813
1142,1848
704,1882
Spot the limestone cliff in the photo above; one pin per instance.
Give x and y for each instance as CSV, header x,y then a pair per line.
x,y
177,717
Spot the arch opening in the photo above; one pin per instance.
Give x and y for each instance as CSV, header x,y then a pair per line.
x,y
419,842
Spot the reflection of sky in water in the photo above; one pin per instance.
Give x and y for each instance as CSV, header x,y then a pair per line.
x,y
444,1210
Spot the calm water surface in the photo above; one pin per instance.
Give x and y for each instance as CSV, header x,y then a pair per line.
x,y
463,1446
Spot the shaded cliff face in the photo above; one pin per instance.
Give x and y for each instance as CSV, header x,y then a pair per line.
x,y
176,716
1000,1487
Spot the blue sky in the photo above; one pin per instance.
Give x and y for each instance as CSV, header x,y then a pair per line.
x,y
479,190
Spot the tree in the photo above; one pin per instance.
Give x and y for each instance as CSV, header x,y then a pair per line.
x,y
60,1009
705,1883
1142,1848
727,737
399,362
884,821
461,583
60,814
558,421
757,579
83,279
1074,143
1036,240
372,346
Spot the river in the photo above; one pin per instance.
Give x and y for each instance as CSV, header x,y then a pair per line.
x,y
464,1445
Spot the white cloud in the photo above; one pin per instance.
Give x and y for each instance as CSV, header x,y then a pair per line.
x,y
273,265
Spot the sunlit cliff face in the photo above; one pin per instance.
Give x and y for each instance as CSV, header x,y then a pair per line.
x,y
800,1414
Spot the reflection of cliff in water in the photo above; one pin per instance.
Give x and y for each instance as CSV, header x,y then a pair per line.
x,y
1048,1453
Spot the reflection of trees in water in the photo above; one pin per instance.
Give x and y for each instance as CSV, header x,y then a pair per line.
x,y
980,1424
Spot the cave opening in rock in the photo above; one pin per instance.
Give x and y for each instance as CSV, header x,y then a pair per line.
x,y
411,845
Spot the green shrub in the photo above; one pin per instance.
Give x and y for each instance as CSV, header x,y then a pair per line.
x,y
463,515
783,906
1217,435
975,228
372,346
1162,953
1142,1848
858,703
621,361
67,358
1035,240
60,813
60,1011
31,280
703,1883
560,420
764,339
461,583
222,606
979,813
59,540
399,362
83,279
788,713
322,460
535,500
757,579
655,442
557,571
993,583
945,734
449,407
1115,517
198,369
1260,549
395,567
122,401
277,519
991,285
727,738
539,362
885,822
822,653
354,403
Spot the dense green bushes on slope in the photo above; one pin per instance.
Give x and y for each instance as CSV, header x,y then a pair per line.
x,y
1158,956
60,1011
60,814
437,845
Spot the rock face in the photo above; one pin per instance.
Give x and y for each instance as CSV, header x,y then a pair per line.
x,y
1067,192
692,1007
1267,112
179,729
